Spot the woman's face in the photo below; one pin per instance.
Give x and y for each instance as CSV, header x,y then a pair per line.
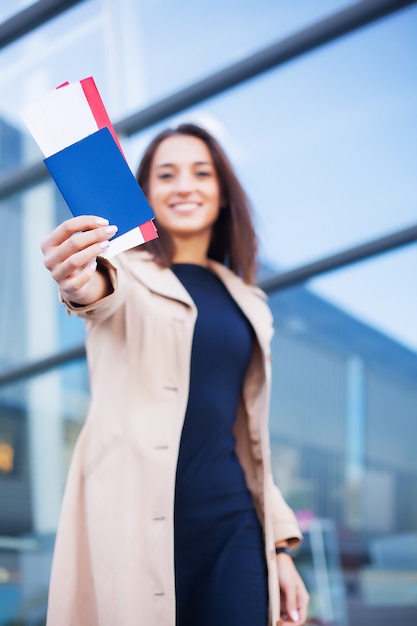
x,y
184,190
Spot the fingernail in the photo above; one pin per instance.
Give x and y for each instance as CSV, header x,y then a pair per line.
x,y
110,230
93,265
104,244
294,616
101,221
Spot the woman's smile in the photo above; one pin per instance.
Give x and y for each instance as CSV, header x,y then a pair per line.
x,y
185,207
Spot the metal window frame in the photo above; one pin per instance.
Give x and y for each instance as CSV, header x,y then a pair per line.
x,y
341,23
30,18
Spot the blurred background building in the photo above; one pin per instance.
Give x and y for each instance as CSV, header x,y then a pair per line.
x,y
316,103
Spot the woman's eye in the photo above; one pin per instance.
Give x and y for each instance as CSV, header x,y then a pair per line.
x,y
164,176
203,174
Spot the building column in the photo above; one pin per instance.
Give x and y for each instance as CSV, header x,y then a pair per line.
x,y
355,438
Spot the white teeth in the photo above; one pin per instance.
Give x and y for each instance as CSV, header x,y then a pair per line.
x,y
184,207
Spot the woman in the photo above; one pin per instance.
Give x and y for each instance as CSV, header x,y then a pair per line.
x,y
170,515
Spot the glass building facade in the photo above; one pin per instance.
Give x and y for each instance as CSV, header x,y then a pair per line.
x,y
324,138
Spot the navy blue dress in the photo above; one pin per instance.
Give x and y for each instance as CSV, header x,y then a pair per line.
x,y
220,569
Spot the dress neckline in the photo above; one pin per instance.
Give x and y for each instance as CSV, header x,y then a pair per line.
x,y
191,265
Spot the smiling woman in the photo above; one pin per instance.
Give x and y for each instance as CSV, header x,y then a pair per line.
x,y
233,240
171,515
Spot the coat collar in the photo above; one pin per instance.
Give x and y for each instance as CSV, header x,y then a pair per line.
x,y
163,281
158,279
251,301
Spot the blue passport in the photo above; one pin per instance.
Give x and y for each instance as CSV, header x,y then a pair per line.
x,y
95,179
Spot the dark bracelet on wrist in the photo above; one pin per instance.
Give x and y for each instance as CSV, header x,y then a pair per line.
x,y
285,550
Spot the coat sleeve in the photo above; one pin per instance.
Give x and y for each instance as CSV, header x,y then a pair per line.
x,y
257,389
257,468
284,522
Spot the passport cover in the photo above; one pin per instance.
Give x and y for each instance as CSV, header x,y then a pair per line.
x,y
95,179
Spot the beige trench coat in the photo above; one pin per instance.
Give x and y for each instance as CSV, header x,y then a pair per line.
x,y
114,556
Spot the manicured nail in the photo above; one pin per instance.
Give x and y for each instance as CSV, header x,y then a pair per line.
x,y
101,221
294,616
110,230
104,244
92,265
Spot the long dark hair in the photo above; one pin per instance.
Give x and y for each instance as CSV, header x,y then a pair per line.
x,y
233,241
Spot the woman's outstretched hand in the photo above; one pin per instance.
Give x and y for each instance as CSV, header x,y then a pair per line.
x,y
70,254
294,595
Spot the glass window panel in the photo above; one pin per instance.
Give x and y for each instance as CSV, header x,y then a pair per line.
x,y
379,292
33,324
343,425
42,415
194,41
70,47
39,422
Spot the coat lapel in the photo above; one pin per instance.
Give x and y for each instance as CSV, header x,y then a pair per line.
x,y
158,279
251,301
